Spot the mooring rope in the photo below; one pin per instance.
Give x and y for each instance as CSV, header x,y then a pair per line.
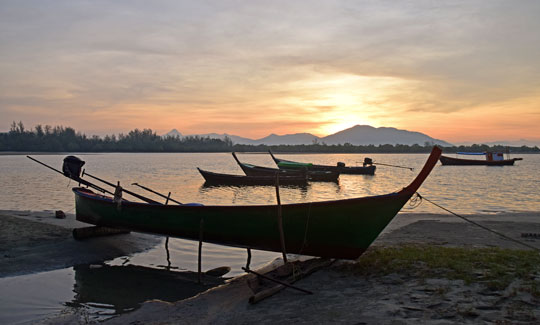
x,y
414,202
418,196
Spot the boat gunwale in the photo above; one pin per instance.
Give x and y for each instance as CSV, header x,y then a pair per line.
x,y
84,192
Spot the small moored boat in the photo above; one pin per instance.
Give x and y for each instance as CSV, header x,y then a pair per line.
x,y
312,175
212,178
367,169
491,159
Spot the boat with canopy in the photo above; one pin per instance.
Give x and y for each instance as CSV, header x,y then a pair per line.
x,y
491,159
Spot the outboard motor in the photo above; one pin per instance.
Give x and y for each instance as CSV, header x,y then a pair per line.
x,y
368,162
72,167
341,164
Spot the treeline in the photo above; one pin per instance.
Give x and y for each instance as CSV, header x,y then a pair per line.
x,y
66,139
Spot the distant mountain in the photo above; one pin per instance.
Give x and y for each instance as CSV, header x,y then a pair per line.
x,y
366,135
357,135
172,133
292,139
234,138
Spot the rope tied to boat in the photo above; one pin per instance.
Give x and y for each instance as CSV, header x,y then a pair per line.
x,y
414,202
420,198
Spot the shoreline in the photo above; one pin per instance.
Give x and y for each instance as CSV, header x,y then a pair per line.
x,y
36,241
340,297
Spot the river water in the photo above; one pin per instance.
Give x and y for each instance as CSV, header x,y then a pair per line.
x,y
26,185
463,189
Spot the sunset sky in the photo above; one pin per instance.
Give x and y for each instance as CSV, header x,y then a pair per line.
x,y
461,71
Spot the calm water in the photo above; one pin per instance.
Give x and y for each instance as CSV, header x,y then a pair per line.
x,y
468,189
29,186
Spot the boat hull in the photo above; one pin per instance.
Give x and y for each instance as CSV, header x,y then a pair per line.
x,y
351,170
450,161
338,229
228,179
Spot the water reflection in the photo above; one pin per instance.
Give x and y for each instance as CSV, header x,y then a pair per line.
x,y
241,195
123,288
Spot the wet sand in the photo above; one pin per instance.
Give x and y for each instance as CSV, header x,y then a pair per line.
x,y
33,242
339,296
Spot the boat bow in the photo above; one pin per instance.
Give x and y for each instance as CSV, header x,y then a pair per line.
x,y
426,170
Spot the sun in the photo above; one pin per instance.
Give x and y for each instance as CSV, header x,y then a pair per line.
x,y
340,101
342,110
328,129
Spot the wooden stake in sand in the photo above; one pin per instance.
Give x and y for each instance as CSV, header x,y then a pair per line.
x,y
280,221
201,225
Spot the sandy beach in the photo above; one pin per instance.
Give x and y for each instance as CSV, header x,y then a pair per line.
x,y
36,241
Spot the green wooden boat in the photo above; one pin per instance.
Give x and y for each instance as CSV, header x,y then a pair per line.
x,y
336,229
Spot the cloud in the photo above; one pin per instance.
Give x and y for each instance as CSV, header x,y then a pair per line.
x,y
222,60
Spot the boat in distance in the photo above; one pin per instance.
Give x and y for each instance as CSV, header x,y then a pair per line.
x,y
312,175
492,159
337,229
212,178
367,169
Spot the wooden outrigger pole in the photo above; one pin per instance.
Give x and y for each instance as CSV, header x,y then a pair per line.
x,y
140,197
168,197
77,179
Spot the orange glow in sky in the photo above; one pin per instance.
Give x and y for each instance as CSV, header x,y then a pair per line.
x,y
465,72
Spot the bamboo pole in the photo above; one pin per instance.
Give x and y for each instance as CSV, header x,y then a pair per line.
x,y
409,168
302,273
285,284
168,254
140,197
168,197
248,258
201,225
280,221
77,179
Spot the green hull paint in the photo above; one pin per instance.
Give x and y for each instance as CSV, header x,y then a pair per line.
x,y
336,229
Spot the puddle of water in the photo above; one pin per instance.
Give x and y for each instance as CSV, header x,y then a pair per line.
x,y
101,291
97,291
32,297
